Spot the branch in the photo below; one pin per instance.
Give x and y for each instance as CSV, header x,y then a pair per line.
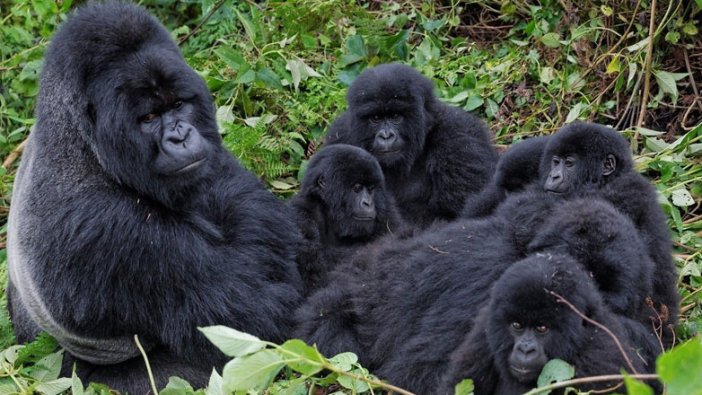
x,y
591,379
647,69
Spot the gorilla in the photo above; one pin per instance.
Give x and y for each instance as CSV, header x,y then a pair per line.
x,y
397,298
129,217
584,159
433,155
524,326
341,206
516,169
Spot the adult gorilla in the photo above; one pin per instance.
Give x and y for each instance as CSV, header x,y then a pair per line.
x,y
433,155
342,205
525,325
129,217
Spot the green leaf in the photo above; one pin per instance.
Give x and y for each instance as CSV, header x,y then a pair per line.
x,y
177,386
76,385
679,369
473,102
614,66
48,368
555,370
606,10
546,75
251,372
300,71
666,82
461,96
551,40
344,361
232,58
308,360
281,186
232,342
575,112
491,109
214,387
353,384
682,198
465,387
635,387
270,78
54,387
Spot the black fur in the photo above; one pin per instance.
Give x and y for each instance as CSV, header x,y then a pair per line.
x,y
522,296
324,209
129,217
516,169
444,153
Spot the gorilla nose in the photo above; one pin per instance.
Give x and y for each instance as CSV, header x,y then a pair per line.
x,y
387,134
178,136
526,348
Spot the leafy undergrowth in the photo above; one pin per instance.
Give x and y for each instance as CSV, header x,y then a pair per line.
x,y
278,73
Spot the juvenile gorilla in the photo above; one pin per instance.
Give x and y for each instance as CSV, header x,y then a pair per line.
x,y
433,155
341,206
593,160
516,170
525,325
129,217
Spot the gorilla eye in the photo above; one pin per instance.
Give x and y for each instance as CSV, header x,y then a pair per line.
x,y
542,329
375,118
397,116
556,160
150,117
357,188
517,326
569,162
178,104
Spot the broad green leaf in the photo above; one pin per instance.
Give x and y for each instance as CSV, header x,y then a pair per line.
x,y
551,40
546,75
473,102
344,361
48,368
251,372
300,71
575,112
633,67
356,46
54,387
492,108
307,360
280,185
681,369
177,386
214,387
270,78
249,27
606,10
76,385
460,97
232,58
10,354
648,132
465,387
353,384
638,46
666,82
232,342
635,387
614,66
699,4
555,370
266,119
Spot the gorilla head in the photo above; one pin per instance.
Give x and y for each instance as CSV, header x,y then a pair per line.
x,y
390,103
528,326
348,185
582,154
154,131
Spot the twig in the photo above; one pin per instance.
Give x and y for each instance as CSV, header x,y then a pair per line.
x,y
692,79
561,299
647,70
202,22
591,379
148,365
13,155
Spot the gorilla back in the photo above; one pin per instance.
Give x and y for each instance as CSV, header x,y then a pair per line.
x,y
128,215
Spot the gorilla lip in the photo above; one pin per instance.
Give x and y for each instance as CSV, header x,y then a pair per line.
x,y
520,372
363,218
191,166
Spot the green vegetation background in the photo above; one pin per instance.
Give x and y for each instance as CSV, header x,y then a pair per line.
x,y
279,70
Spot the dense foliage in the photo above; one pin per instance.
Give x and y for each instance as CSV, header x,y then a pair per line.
x,y
278,72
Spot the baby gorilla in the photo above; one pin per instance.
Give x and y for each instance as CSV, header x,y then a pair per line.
x,y
433,155
341,206
525,325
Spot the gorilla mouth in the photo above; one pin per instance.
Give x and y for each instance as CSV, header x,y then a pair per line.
x,y
363,218
522,374
387,152
191,166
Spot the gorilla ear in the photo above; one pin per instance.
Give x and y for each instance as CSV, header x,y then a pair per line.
x,y
609,165
321,182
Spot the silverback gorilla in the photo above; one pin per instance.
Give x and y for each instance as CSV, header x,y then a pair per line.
x,y
130,218
342,205
433,155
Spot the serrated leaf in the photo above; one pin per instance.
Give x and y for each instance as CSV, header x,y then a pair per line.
x,y
551,40
10,354
300,71
555,370
251,372
232,342
308,362
682,198
214,387
680,368
344,361
465,387
54,387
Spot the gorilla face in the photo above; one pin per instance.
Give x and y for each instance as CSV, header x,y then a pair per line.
x,y
580,155
155,130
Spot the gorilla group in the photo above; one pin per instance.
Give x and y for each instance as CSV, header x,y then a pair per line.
x,y
128,213
433,155
404,306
